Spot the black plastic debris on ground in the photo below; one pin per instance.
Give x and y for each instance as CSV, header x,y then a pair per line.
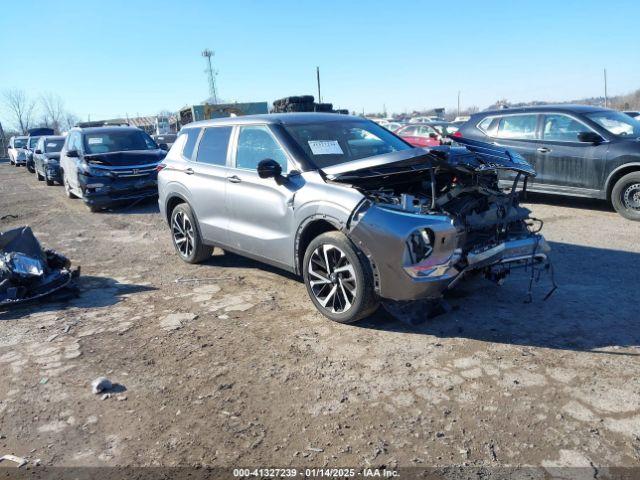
x,y
28,272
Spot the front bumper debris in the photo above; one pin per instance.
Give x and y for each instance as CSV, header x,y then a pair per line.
x,y
102,191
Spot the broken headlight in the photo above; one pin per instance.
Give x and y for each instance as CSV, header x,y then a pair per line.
x,y
420,245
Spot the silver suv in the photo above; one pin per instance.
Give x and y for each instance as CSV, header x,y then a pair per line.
x,y
362,215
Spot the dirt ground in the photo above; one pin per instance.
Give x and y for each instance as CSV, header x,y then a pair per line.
x,y
229,364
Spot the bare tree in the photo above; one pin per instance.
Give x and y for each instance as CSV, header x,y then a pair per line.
x,y
53,112
69,121
21,109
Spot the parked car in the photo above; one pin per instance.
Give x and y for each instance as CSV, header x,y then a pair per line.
x,y
393,126
107,165
423,119
444,129
165,140
419,135
29,149
17,151
633,114
577,150
355,210
46,159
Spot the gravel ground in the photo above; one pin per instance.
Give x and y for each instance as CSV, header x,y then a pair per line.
x,y
228,363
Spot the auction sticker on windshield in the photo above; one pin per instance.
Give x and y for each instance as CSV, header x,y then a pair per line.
x,y
95,140
325,147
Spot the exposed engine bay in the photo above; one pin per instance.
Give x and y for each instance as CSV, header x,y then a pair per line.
x,y
476,225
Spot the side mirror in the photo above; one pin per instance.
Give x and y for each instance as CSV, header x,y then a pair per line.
x,y
72,153
269,168
590,137
38,152
163,146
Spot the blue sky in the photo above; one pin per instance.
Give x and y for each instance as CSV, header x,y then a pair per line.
x,y
112,58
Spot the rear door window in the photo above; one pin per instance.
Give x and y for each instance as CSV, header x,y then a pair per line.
x,y
518,127
213,146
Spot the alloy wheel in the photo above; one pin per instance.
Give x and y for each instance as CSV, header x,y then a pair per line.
x,y
183,234
631,197
332,278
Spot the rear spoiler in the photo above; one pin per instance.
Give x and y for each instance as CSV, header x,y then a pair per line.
x,y
495,156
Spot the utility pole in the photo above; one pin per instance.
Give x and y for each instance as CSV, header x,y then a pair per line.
x,y
318,79
605,89
206,53
458,103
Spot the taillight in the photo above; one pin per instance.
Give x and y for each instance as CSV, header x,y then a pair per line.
x,y
160,166
457,134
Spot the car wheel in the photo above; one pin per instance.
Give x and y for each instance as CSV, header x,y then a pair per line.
x,y
67,186
625,196
48,180
186,236
339,279
38,176
30,168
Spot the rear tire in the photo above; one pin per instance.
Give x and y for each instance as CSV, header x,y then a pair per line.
x,y
625,196
185,235
339,279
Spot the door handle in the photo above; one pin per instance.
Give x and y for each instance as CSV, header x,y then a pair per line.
x,y
234,179
189,171
544,150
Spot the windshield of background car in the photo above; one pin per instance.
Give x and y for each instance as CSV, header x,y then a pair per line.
x,y
53,145
33,141
617,123
118,141
20,142
333,143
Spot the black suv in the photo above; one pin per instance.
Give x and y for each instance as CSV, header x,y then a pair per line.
x,y
576,150
108,165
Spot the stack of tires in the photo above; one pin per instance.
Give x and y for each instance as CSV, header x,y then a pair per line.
x,y
303,103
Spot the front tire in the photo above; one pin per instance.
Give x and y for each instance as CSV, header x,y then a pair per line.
x,y
186,235
338,278
38,176
67,186
625,196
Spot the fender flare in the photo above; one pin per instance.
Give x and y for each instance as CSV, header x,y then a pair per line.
x,y
340,226
607,183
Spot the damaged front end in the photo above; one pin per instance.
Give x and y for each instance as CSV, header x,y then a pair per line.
x,y
29,272
429,220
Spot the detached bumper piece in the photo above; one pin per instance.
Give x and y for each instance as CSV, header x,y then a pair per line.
x,y
28,272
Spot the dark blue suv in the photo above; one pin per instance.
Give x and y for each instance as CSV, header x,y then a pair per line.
x,y
577,150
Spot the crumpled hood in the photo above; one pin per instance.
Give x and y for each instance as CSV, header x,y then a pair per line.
x,y
120,159
473,156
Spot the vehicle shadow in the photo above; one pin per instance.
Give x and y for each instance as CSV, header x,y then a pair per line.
x,y
231,260
94,292
594,307
569,202
137,207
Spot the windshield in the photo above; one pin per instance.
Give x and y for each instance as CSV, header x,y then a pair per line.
x,y
20,142
33,141
616,123
332,143
118,141
53,145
